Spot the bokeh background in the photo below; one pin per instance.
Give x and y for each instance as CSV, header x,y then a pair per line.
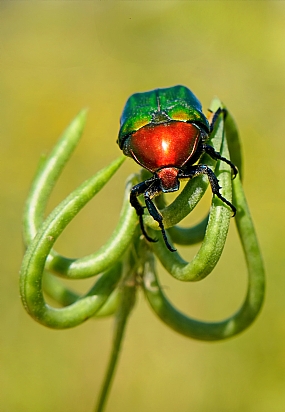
x,y
59,56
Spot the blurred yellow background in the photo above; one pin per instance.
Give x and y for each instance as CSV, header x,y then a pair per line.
x,y
57,57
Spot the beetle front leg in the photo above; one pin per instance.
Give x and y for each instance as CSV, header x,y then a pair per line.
x,y
137,190
154,213
216,156
206,170
214,116
210,150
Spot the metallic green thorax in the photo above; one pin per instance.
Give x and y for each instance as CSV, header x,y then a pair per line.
x,y
160,106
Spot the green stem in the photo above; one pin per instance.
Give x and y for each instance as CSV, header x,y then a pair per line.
x,y
122,314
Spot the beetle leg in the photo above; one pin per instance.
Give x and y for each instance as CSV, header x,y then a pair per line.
x,y
204,169
137,190
215,115
210,150
152,191
216,155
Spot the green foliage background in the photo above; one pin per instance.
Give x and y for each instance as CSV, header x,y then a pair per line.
x,y
59,56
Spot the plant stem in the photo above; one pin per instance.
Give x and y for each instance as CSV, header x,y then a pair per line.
x,y
122,314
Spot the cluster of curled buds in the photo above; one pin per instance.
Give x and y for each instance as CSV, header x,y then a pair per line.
x,y
127,261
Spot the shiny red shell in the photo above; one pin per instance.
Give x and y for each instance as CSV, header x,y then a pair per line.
x,y
165,145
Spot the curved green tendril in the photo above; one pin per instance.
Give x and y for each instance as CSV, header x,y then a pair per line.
x,y
43,183
65,296
107,255
255,294
189,235
48,173
72,315
40,247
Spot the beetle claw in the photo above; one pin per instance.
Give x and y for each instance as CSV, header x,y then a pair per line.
x,y
150,239
168,245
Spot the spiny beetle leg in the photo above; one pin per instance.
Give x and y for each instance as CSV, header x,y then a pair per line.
x,y
215,117
216,155
210,150
204,169
234,210
137,190
155,213
150,239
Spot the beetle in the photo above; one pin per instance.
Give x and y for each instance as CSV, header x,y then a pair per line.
x,y
166,132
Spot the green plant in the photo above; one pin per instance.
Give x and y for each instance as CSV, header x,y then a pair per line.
x,y
127,261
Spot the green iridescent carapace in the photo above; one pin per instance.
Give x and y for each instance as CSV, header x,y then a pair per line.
x,y
158,106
